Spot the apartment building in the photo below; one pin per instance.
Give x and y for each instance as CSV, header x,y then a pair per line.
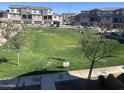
x,y
30,15
108,17
34,15
67,18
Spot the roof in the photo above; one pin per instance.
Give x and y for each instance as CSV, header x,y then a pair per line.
x,y
103,9
2,11
31,7
70,13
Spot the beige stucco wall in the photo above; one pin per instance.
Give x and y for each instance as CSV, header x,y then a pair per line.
x,y
37,18
18,17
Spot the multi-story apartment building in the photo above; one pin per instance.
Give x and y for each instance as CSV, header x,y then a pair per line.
x,y
108,17
30,15
67,17
47,16
75,20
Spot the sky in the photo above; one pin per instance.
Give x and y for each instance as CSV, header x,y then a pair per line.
x,y
62,7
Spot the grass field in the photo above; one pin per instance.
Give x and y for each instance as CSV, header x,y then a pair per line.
x,y
44,51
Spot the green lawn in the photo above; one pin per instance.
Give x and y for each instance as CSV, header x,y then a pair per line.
x,y
44,50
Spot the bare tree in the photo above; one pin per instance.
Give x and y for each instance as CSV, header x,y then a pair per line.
x,y
95,48
8,30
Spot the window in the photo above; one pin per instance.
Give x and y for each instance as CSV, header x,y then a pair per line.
x,y
110,12
49,17
29,16
45,17
24,16
50,11
123,12
117,12
38,11
12,10
93,19
17,10
41,12
23,10
35,11
45,11
116,20
99,13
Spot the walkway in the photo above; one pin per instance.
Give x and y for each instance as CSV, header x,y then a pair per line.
x,y
47,81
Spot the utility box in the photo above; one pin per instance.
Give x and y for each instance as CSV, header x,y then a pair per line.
x,y
66,64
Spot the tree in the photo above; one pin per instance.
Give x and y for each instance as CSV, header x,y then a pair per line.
x,y
18,42
8,30
95,48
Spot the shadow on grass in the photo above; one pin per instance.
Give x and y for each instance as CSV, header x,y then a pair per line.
x,y
6,60
60,67
121,41
13,63
3,60
39,72
57,58
114,38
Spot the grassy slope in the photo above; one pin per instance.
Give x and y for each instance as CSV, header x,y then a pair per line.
x,y
42,46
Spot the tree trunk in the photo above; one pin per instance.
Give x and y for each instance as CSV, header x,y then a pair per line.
x,y
8,46
18,62
90,70
89,74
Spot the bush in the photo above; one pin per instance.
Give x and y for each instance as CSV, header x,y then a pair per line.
x,y
3,60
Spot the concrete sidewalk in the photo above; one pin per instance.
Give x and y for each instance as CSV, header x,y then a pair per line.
x,y
47,81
